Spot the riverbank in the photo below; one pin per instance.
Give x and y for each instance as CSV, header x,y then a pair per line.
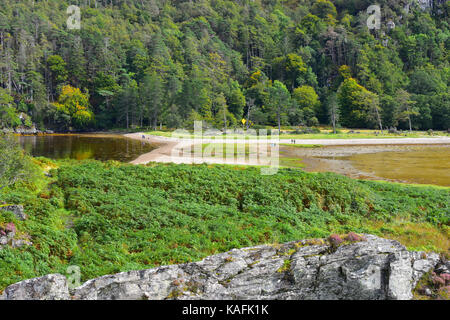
x,y
407,160
164,152
346,134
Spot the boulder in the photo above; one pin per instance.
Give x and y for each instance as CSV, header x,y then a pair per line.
x,y
25,130
371,270
49,287
17,243
16,209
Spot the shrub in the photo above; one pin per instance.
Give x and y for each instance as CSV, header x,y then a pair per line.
x,y
335,240
353,237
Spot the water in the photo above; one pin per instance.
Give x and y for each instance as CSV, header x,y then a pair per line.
x,y
85,146
410,164
424,165
421,164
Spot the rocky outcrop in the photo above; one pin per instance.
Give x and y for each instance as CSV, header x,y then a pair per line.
x,y
26,130
49,287
16,209
429,4
371,268
8,237
8,231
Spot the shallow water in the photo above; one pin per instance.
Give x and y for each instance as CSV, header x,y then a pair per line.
x,y
398,163
85,146
424,165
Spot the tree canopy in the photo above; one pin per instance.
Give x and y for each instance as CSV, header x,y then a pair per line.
x,y
163,62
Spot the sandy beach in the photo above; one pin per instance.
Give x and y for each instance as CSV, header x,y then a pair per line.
x,y
170,148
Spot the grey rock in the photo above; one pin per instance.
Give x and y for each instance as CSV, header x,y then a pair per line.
x,y
443,267
49,287
427,292
422,263
16,209
24,130
10,235
3,240
371,270
17,243
429,4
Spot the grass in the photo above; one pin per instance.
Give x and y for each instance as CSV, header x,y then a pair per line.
x,y
302,145
325,134
111,217
221,149
243,150
291,162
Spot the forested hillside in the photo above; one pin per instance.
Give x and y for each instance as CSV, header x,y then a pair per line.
x,y
167,62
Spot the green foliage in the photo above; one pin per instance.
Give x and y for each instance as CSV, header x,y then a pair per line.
x,y
111,217
15,165
57,67
356,104
309,103
277,100
150,63
8,114
75,104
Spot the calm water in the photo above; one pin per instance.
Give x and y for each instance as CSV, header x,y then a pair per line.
x,y
85,146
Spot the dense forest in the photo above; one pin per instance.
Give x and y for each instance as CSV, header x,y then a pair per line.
x,y
153,63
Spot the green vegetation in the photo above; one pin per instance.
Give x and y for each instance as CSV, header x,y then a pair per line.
x,y
221,149
291,162
15,165
110,217
274,63
324,134
73,108
302,145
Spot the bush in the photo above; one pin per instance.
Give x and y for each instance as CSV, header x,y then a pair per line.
x,y
15,165
307,130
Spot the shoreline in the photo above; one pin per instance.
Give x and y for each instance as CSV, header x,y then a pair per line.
x,y
168,144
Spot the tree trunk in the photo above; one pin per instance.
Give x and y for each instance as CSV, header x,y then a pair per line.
x,y
333,120
379,120
409,119
224,119
248,117
279,120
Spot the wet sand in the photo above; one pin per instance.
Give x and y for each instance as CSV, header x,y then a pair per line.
x,y
164,152
172,150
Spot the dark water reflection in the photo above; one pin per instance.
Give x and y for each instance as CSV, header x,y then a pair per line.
x,y
85,146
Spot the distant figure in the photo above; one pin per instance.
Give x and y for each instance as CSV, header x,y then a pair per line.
x,y
143,136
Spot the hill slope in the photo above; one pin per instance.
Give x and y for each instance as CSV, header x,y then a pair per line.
x,y
162,62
